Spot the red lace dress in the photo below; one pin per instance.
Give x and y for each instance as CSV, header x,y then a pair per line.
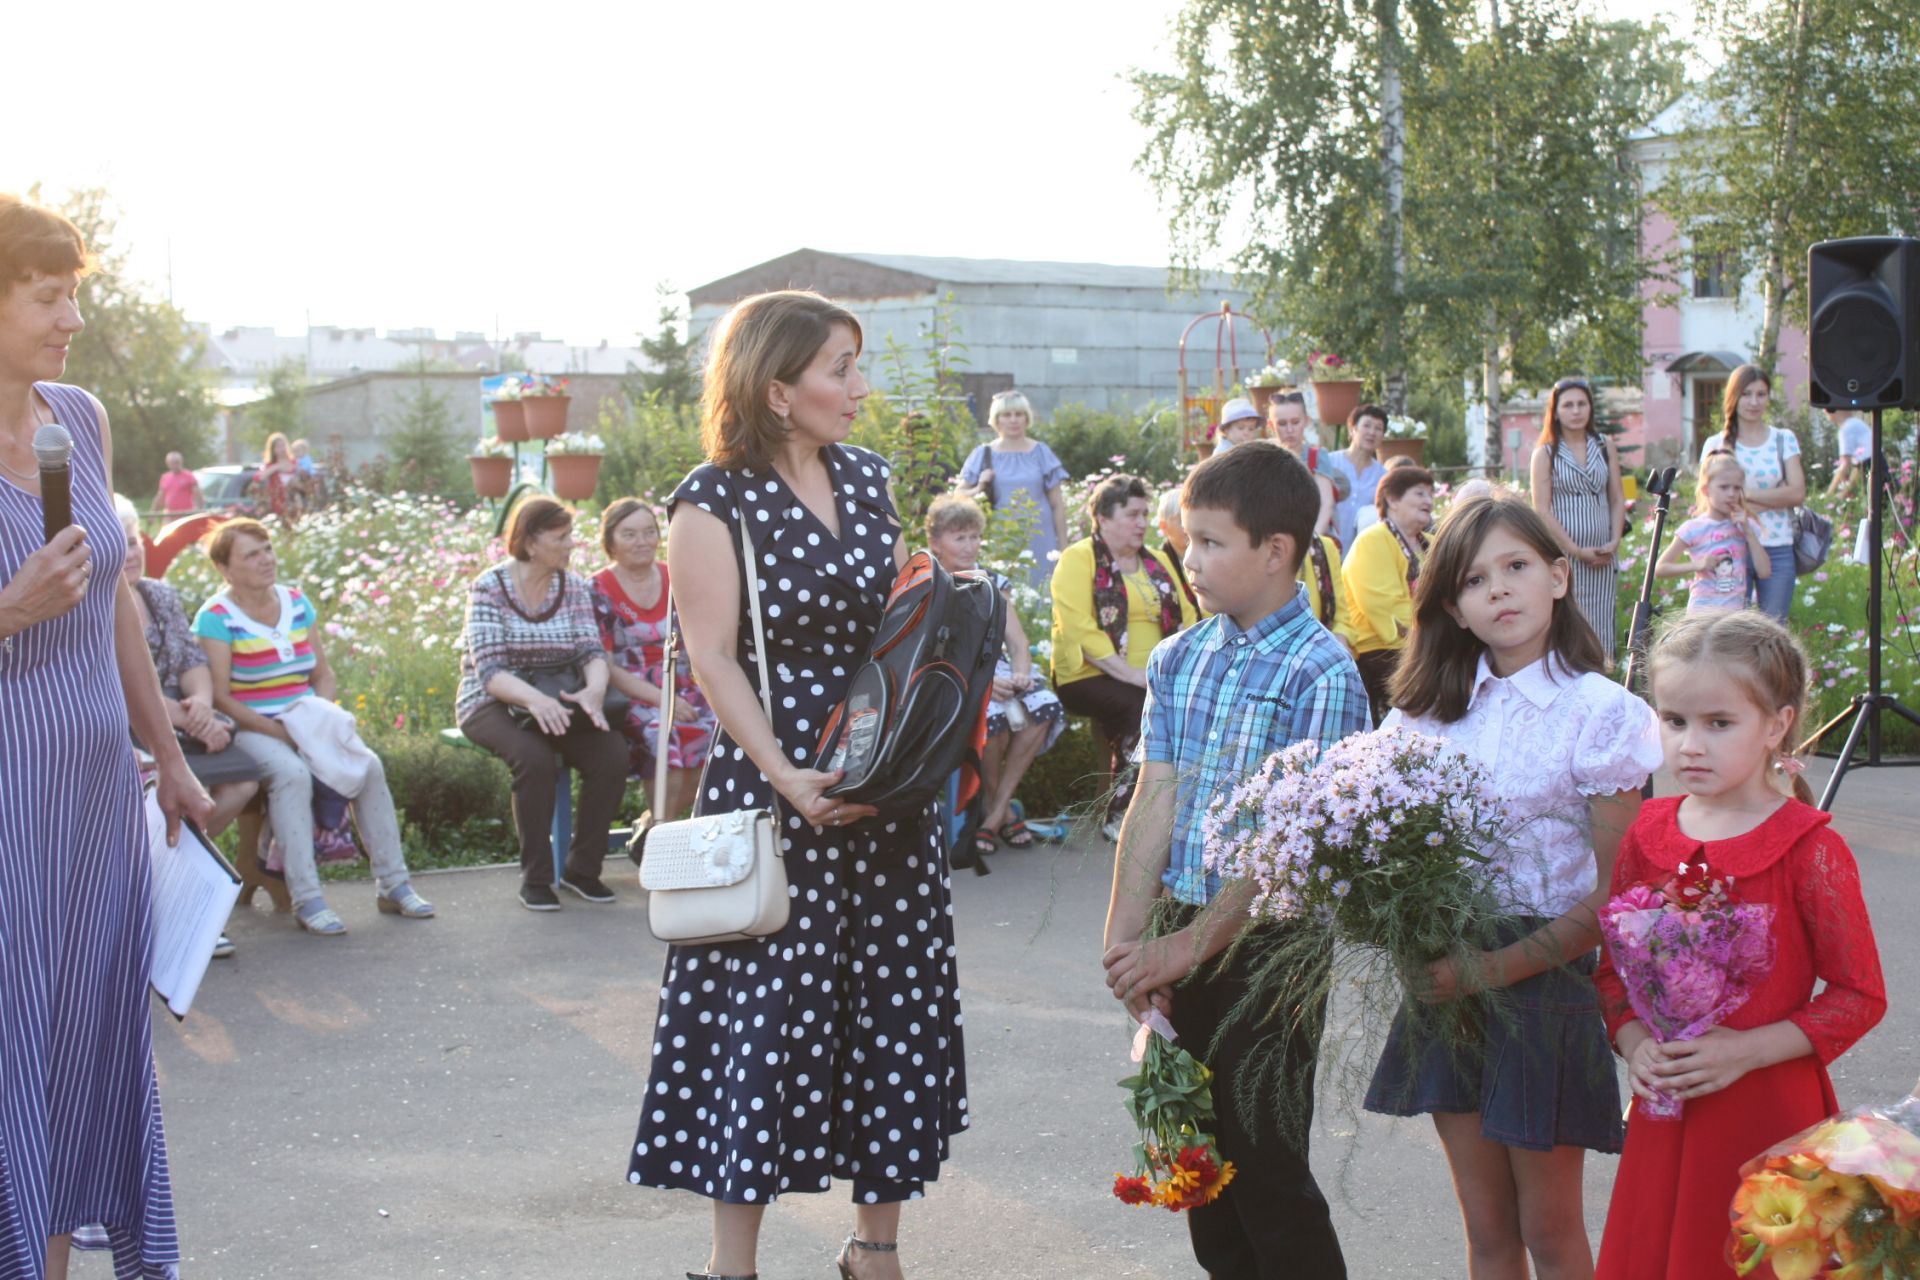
x,y
1668,1217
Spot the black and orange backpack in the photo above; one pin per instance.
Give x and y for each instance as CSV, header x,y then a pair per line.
x,y
916,709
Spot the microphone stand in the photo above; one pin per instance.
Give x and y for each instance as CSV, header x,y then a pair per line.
x,y
1866,708
1659,484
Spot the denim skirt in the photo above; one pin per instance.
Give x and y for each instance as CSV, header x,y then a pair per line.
x,y
1538,1069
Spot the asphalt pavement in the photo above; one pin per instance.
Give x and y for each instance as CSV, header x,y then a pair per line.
x,y
456,1097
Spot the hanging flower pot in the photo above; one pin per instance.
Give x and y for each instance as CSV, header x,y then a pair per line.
x,y
546,415
1337,399
510,419
573,476
492,477
1412,448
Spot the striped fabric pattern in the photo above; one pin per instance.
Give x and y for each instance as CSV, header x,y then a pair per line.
x,y
81,1144
263,678
1580,505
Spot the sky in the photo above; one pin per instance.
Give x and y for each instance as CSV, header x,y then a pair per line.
x,y
516,167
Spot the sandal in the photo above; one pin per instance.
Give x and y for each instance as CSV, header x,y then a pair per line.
x,y
1016,835
845,1260
985,841
715,1275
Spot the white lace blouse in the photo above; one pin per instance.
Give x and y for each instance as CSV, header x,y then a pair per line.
x,y
1551,740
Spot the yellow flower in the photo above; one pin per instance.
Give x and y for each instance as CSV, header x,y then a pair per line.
x,y
1798,1260
1832,1198
1775,1208
1220,1183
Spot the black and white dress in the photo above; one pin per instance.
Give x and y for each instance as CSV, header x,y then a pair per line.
x,y
1581,506
831,1049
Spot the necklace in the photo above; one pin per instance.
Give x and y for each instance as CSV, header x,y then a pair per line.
x,y
29,476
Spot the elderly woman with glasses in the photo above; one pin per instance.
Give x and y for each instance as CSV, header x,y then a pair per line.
x,y
630,601
1014,472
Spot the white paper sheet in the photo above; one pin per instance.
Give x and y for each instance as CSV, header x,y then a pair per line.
x,y
194,890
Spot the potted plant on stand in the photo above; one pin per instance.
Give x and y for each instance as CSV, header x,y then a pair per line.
x,y
573,464
492,463
509,412
546,402
1406,438
1336,391
1262,385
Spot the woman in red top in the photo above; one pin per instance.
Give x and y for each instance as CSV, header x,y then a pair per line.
x,y
630,601
1730,688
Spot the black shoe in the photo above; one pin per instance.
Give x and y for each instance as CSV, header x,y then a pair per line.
x,y
539,897
588,887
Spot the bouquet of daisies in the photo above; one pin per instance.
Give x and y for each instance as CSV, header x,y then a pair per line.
x,y
1376,856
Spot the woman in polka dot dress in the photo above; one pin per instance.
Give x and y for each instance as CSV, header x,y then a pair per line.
x,y
833,1047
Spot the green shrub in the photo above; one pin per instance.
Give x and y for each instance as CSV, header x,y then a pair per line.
x,y
1089,441
455,803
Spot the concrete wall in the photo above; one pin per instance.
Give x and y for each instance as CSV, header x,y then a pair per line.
x,y
354,415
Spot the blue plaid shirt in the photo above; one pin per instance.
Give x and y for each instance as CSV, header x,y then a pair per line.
x,y
1221,700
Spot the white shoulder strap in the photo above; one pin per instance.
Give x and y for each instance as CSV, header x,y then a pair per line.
x,y
667,678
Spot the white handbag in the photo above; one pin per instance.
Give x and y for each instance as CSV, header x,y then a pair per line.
x,y
720,877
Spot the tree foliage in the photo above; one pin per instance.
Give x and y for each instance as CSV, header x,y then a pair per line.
x,y
138,354
283,409
1807,130
1288,126
421,454
674,378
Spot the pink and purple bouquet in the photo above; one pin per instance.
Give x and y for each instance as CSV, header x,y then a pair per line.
x,y
1384,834
1688,954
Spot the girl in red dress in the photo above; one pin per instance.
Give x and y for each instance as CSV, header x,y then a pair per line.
x,y
1731,689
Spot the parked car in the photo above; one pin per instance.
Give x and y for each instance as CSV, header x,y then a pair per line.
x,y
224,489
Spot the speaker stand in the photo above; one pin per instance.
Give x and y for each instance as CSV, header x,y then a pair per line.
x,y
1866,709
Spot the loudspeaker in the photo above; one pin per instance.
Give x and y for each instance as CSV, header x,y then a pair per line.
x,y
1863,346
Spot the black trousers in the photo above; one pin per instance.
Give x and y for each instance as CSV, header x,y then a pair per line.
x,y
599,756
1115,706
1271,1223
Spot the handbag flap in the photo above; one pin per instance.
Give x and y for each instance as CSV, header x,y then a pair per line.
x,y
709,852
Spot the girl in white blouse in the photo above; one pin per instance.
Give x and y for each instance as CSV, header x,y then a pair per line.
x,y
1503,665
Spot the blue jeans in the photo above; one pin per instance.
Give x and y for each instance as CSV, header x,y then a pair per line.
x,y
1774,593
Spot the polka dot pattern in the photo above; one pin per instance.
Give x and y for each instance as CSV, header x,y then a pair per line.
x,y
832,1049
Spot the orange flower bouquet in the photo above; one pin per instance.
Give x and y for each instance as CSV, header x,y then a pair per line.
x,y
1176,1165
1840,1200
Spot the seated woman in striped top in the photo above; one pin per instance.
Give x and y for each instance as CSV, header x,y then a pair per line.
x,y
262,642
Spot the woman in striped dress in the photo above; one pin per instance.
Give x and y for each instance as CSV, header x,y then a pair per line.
x,y
82,1154
1576,490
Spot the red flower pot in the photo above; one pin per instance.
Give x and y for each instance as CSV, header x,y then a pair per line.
x,y
1413,447
510,420
1337,400
546,415
492,477
573,476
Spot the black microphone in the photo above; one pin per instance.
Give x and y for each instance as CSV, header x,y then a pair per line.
x,y
53,445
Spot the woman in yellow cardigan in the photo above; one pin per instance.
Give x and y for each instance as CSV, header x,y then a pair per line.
x,y
1380,571
1321,573
1114,598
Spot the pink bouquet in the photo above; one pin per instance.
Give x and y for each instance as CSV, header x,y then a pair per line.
x,y
1688,955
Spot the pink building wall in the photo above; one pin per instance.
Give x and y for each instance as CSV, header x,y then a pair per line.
x,y
1688,324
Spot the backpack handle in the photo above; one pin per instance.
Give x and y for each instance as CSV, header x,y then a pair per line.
x,y
668,675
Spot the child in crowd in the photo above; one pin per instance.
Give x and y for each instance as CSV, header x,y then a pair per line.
x,y
1731,690
1719,543
1502,664
1257,676
1024,717
1239,423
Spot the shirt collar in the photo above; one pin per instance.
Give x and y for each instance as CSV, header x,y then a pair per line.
x,y
1265,635
1539,682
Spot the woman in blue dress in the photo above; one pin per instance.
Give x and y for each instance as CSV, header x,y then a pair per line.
x,y
1016,473
83,1158
832,1048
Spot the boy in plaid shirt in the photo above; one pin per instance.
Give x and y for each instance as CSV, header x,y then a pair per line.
x,y
1257,676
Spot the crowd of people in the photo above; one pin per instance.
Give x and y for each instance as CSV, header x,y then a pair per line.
x,y
1301,594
